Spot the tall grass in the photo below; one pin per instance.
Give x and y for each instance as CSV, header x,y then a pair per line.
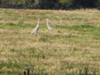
x,y
71,45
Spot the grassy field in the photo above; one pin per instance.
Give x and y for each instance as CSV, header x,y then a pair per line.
x,y
74,42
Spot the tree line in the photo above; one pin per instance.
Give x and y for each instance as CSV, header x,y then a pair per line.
x,y
50,4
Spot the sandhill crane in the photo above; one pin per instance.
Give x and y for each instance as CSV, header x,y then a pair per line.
x,y
36,29
48,25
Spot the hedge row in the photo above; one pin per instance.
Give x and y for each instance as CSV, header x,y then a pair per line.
x,y
50,4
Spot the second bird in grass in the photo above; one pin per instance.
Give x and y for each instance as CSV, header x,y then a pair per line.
x,y
48,25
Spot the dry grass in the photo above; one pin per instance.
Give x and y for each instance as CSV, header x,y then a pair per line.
x,y
74,43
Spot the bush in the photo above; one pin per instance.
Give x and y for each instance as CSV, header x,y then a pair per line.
x,y
50,4
98,4
65,4
84,3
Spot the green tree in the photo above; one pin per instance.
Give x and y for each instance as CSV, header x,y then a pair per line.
x,y
98,4
65,3
48,3
84,3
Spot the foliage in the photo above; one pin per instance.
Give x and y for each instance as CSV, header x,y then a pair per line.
x,y
98,4
45,4
84,3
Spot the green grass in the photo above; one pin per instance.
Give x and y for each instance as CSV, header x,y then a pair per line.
x,y
72,45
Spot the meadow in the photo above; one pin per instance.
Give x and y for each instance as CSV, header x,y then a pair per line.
x,y
74,42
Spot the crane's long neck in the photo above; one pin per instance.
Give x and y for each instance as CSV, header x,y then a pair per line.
x,y
38,23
